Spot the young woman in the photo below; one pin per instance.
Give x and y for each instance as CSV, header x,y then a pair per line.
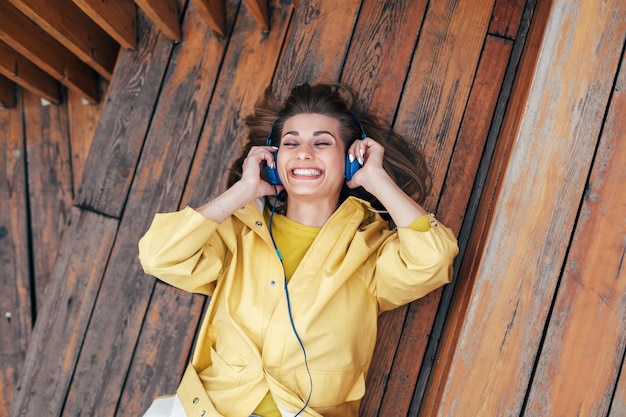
x,y
299,270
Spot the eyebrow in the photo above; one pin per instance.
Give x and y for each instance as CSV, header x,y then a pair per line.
x,y
316,133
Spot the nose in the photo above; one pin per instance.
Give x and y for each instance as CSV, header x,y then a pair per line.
x,y
304,152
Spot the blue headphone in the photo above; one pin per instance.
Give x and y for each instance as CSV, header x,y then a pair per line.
x,y
351,166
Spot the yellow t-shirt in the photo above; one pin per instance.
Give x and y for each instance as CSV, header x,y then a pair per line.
x,y
293,241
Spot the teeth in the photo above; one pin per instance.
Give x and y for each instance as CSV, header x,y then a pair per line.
x,y
309,172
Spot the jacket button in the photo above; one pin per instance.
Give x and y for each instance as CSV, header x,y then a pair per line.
x,y
259,224
202,413
195,400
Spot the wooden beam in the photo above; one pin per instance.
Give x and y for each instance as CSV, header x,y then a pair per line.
x,y
587,327
26,74
164,13
23,35
117,17
7,92
66,23
259,11
512,270
213,14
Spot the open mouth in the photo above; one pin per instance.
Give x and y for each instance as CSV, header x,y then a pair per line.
x,y
306,172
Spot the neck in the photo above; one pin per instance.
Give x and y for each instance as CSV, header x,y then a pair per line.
x,y
310,213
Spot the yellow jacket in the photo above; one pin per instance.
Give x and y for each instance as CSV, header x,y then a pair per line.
x,y
355,269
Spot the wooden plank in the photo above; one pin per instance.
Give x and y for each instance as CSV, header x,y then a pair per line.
x,y
506,18
449,84
66,23
587,326
220,143
470,144
618,405
15,307
126,291
517,249
49,184
259,11
23,35
7,92
480,126
117,17
64,316
376,66
322,28
164,13
213,14
125,118
23,72
381,52
83,121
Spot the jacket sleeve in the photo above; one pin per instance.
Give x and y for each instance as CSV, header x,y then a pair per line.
x,y
183,249
413,263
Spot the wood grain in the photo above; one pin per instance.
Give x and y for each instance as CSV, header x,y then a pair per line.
x,y
586,335
50,184
74,30
317,25
126,115
16,317
62,321
522,237
83,120
158,183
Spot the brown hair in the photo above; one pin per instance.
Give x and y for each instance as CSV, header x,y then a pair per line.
x,y
405,167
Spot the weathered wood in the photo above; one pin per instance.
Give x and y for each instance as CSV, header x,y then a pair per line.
x,y
259,11
58,334
23,35
480,119
322,29
7,92
15,306
376,66
470,143
618,405
523,229
74,30
433,102
165,14
506,18
213,14
23,72
587,326
224,132
125,118
381,52
83,121
157,185
49,184
117,17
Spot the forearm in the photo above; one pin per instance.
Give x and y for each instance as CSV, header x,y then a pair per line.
x,y
222,206
402,208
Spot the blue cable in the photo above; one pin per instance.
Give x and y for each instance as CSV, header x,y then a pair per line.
x,y
293,325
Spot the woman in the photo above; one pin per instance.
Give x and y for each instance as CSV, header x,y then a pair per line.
x,y
271,349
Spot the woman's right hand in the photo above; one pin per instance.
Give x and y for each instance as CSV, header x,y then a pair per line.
x,y
249,187
256,160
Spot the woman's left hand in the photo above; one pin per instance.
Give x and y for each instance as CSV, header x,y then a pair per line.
x,y
370,155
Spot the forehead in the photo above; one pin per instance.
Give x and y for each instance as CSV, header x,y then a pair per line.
x,y
311,122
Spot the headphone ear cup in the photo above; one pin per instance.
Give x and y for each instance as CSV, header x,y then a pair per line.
x,y
351,167
272,173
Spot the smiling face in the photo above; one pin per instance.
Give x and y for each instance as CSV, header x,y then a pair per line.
x,y
311,157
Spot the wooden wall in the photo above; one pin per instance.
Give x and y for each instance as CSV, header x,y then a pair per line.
x,y
526,162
